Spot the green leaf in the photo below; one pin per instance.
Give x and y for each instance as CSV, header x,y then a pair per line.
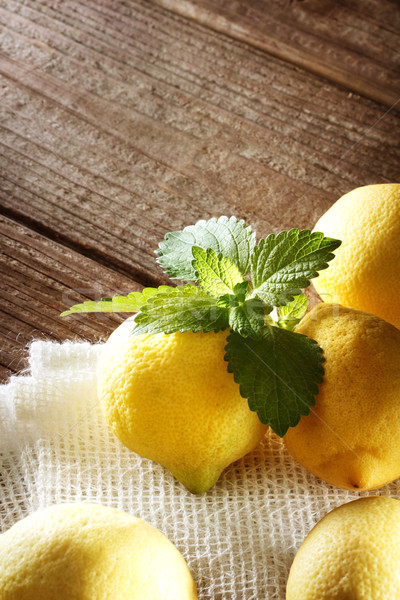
x,y
131,303
279,374
283,264
184,308
227,236
293,312
248,318
240,290
216,274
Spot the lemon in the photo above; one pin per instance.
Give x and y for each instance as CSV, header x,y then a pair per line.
x,y
88,551
353,553
365,271
352,437
170,398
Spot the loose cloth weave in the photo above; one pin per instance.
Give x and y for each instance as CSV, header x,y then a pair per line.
x,y
239,539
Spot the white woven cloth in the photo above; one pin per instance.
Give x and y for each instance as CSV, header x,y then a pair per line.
x,y
239,538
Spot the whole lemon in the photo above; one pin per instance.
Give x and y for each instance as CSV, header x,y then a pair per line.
x,y
365,271
170,398
352,553
352,437
88,551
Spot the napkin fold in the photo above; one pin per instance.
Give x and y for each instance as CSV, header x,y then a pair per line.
x,y
239,539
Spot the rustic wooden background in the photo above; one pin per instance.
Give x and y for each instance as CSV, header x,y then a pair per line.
x,y
124,119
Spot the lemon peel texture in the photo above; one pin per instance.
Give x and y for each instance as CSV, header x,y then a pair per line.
x,y
351,438
353,552
365,271
170,398
85,551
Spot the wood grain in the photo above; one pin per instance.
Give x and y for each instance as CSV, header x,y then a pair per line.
x,y
40,280
353,43
120,121
108,149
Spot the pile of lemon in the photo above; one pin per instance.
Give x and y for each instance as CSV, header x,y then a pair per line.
x,y
160,402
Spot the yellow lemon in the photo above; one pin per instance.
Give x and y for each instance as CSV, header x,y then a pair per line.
x,y
352,437
170,398
365,271
353,553
87,551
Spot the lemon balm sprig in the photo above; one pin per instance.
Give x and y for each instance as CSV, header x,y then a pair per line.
x,y
235,283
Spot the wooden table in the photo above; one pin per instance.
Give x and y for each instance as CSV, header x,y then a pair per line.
x,y
122,120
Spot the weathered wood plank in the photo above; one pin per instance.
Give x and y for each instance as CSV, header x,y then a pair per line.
x,y
40,279
123,121
351,42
